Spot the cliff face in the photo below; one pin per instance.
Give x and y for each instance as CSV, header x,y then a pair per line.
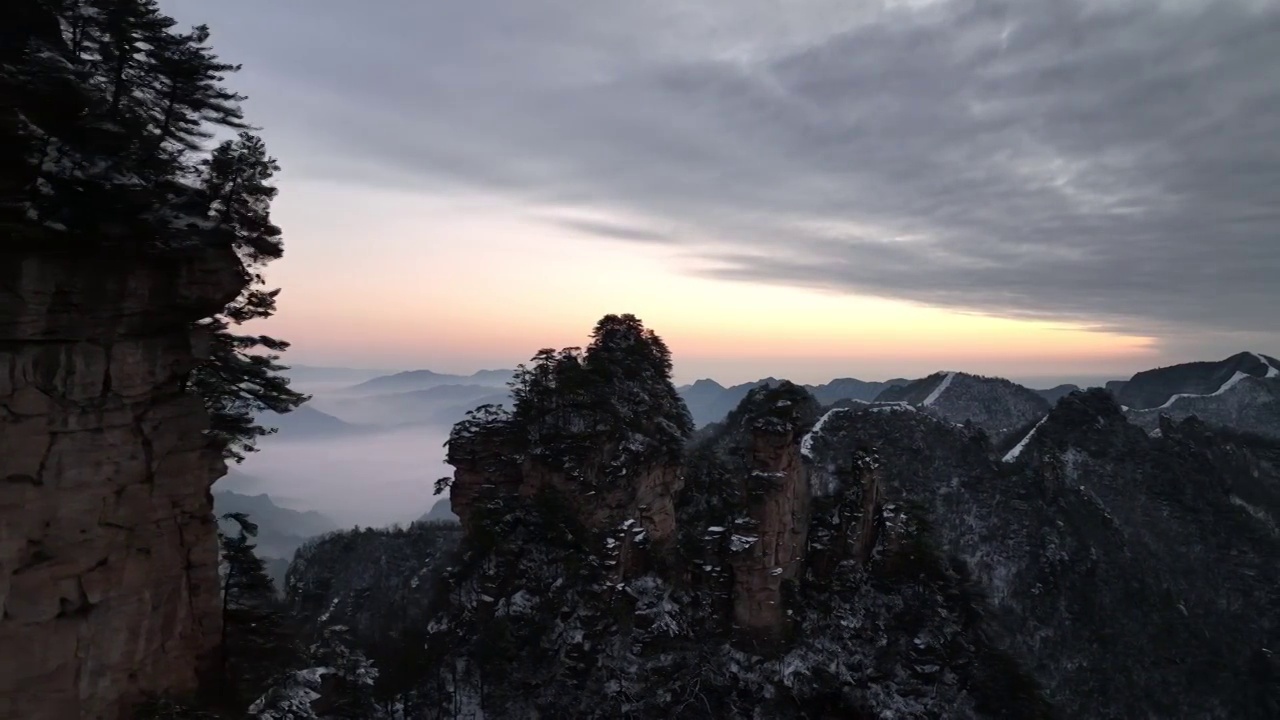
x,y
773,540
768,538
108,547
741,579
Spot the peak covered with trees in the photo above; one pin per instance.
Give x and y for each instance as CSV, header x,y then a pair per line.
x,y
608,568
618,391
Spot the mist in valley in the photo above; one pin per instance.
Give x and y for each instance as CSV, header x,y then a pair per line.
x,y
367,448
369,479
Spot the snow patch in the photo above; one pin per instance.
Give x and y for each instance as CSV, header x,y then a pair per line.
x,y
942,386
806,444
1272,370
1230,383
1022,444
1256,512
903,407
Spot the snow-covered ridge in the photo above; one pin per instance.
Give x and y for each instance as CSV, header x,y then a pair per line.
x,y
933,396
1272,370
1230,383
1022,444
806,443
893,406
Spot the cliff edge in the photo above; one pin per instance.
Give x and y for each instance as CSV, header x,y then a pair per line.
x,y
108,546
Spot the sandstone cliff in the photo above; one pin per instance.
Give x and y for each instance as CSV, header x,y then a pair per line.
x,y
108,549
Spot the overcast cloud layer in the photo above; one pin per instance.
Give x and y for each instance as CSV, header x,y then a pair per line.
x,y
1111,162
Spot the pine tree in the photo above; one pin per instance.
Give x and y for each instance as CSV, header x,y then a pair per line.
x,y
635,365
102,140
255,641
242,377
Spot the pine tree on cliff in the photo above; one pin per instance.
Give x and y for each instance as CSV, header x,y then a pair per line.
x,y
255,642
104,129
241,380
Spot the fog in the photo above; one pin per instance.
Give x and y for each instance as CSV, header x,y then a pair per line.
x,y
373,478
368,455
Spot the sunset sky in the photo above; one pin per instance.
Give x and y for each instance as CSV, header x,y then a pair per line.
x,y
1037,189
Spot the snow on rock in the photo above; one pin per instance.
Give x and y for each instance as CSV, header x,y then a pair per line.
x,y
891,407
806,444
942,386
1258,513
1022,444
1230,383
1272,370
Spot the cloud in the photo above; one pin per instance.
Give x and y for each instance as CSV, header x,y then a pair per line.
x,y
616,231
1107,162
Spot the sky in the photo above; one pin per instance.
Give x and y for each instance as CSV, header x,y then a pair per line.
x,y
798,188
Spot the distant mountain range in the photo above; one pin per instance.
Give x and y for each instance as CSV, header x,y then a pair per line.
x,y
413,380
1240,392
709,401
307,422
281,531
1155,388
425,397
436,405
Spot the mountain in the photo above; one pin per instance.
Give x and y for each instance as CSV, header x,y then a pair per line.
x,y
440,512
1056,393
438,405
1240,392
1131,576
1154,388
909,557
281,531
998,406
710,402
312,374
307,423
413,380
851,389
1115,387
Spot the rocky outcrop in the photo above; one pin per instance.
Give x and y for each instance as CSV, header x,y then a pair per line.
x,y
769,543
108,550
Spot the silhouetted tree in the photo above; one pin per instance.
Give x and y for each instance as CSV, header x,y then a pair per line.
x,y
242,377
255,641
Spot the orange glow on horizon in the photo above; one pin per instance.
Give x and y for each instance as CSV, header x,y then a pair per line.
x,y
456,285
